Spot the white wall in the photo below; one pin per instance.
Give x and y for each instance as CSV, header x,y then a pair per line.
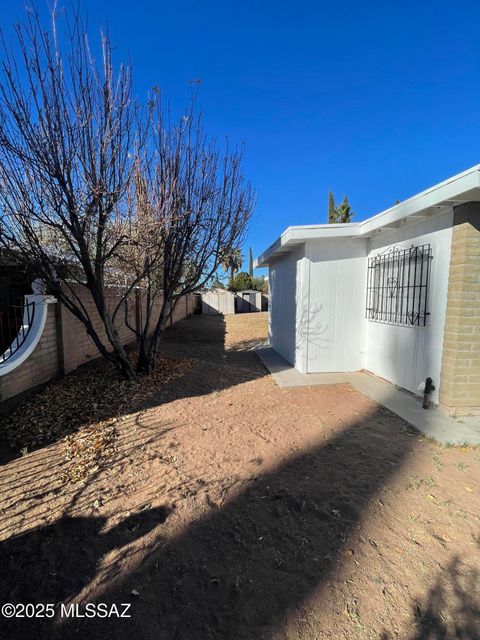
x,y
407,355
318,299
284,273
336,277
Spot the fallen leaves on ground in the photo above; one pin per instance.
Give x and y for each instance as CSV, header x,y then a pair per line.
x,y
83,408
87,449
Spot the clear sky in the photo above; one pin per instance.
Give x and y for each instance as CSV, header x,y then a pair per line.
x,y
378,100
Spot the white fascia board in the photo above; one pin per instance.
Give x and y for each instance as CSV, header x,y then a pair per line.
x,y
451,189
261,261
300,234
319,231
458,188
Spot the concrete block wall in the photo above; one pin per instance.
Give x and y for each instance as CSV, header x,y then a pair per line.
x,y
181,310
65,342
460,374
77,345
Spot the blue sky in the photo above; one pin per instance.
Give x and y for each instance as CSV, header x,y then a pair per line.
x,y
377,100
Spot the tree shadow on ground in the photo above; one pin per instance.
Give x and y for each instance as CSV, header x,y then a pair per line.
x,y
31,486
85,396
238,573
218,367
55,562
451,609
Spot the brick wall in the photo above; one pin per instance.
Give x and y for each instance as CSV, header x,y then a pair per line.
x,y
62,328
78,347
460,376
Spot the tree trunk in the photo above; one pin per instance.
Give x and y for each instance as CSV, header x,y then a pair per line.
x,y
148,348
117,356
143,365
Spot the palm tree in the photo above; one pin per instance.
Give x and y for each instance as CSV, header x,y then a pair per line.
x,y
233,261
344,211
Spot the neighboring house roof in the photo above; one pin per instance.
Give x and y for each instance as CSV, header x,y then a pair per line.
x,y
463,187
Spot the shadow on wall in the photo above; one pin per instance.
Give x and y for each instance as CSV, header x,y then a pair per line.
x,y
317,342
241,572
307,336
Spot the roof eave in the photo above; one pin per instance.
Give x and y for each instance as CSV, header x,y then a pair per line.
x,y
463,187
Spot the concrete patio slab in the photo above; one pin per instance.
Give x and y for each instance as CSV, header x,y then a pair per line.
x,y
432,422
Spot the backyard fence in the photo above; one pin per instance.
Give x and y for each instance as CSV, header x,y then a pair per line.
x,y
65,344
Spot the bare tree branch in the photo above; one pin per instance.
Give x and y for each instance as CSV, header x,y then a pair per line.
x,y
96,191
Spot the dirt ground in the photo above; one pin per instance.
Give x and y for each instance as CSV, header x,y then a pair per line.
x,y
228,508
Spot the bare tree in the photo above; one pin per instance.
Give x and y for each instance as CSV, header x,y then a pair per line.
x,y
199,205
68,128
96,192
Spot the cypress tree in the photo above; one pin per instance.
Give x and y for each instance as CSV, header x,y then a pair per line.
x,y
332,210
250,266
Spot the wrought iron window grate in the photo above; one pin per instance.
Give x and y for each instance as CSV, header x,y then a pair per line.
x,y
397,286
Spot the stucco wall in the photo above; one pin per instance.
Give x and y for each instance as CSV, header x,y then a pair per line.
x,y
406,355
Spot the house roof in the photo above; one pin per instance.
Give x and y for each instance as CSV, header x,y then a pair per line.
x,y
463,187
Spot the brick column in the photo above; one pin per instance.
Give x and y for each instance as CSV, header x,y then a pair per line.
x,y
460,375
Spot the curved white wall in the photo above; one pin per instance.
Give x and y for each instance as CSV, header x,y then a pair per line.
x,y
35,333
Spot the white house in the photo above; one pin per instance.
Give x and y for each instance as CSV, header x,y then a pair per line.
x,y
397,294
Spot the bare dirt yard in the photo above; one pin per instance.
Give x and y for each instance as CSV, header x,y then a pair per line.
x,y
220,506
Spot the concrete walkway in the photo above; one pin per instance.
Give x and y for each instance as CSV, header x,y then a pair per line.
x,y
432,422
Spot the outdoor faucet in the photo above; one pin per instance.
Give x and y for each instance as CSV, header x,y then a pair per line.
x,y
429,388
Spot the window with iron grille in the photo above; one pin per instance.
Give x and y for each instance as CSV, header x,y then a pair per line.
x,y
397,286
